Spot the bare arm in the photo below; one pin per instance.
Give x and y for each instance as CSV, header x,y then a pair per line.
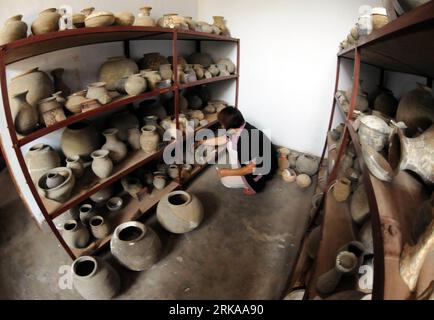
x,y
217,141
243,171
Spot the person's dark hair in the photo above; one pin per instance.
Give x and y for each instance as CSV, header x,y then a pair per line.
x,y
230,118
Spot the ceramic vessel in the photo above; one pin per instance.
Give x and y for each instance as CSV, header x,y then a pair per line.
x,y
377,165
386,103
307,164
13,29
51,111
86,212
47,21
373,131
204,27
59,84
342,189
313,241
144,18
379,18
303,181
173,21
37,82
122,122
94,278
116,68
26,118
102,166
149,139
365,237
214,70
180,212
283,161
135,246
98,91
159,181
80,139
173,171
289,175
152,61
134,138
75,234
152,78
132,186
124,19
39,159
362,102
102,195
54,180
59,97
165,71
191,23
114,204
199,70
414,154
99,19
118,150
203,59
359,206
74,101
230,66
90,104
219,21
60,193
132,85
153,121
78,20
99,227
422,219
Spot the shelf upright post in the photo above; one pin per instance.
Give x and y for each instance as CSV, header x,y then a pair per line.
x,y
19,154
237,90
175,75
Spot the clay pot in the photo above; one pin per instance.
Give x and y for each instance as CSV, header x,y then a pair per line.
x,y
134,138
152,78
159,181
116,68
98,91
152,121
342,189
223,70
166,71
181,74
289,175
54,180
37,83
124,19
61,193
307,164
75,234
102,166
386,103
132,186
373,131
303,181
199,70
203,27
13,29
123,121
365,237
99,19
414,154
149,139
215,29
313,241
59,84
179,212
135,246
144,18
59,97
173,171
86,212
26,119
152,61
114,204
191,23
219,21
39,159
209,109
283,161
132,85
78,20
90,104
51,111
99,227
416,109
362,102
102,195
118,150
230,66
47,21
173,21
74,101
203,59
377,165
359,206
214,70
94,278
80,139
87,11
379,18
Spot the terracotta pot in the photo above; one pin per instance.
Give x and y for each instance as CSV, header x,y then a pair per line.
x,y
116,68
13,29
173,171
94,278
74,101
124,19
38,84
283,161
132,85
39,159
80,139
59,97
102,166
152,61
152,78
60,193
86,212
289,175
134,138
132,186
203,59
26,119
47,21
359,206
173,21
99,19
118,150
179,212
98,91
123,121
59,84
199,70
114,204
342,189
144,18
159,181
149,139
75,234
416,109
307,164
414,154
135,246
219,21
102,195
78,20
99,227
51,111
303,181
373,131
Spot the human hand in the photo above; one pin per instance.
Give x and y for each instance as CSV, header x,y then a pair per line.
x,y
223,172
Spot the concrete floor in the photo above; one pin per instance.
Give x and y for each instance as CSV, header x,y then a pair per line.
x,y
244,249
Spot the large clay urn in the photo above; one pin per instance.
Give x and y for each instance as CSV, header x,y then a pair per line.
x,y
26,118
13,29
179,212
414,154
118,150
149,139
307,164
94,278
37,82
47,21
39,159
116,68
80,139
152,61
135,246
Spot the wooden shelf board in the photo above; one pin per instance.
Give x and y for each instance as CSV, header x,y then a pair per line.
x,y
194,35
132,211
206,81
118,102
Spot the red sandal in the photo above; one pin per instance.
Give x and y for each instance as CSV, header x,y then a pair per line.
x,y
248,192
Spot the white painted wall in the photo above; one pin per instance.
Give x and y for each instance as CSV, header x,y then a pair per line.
x,y
288,62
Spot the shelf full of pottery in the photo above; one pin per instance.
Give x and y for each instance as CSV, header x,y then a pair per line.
x,y
41,105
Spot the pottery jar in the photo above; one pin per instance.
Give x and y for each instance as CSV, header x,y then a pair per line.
x,y
303,181
124,19
26,118
386,103
114,69
122,122
379,18
39,159
132,185
180,74
230,66
283,159
51,111
118,150
180,212
219,21
99,19
80,139
209,109
54,180
166,71
313,241
362,103
144,18
94,278
201,58
289,175
359,206
76,165
223,70
373,131
214,70
216,30
199,70
102,166
173,171
204,27
114,204
99,227
59,84
132,85
86,212
134,138
13,29
135,246
186,171
47,21
87,11
191,23
159,181
59,98
377,165
152,77
172,20
414,154
189,74
149,139
152,61
75,234
365,237
342,189
90,104
37,82
61,193
102,195
307,164
153,121
74,101
78,20
98,91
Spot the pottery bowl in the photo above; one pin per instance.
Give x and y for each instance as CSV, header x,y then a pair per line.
x,y
114,204
61,192
99,19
